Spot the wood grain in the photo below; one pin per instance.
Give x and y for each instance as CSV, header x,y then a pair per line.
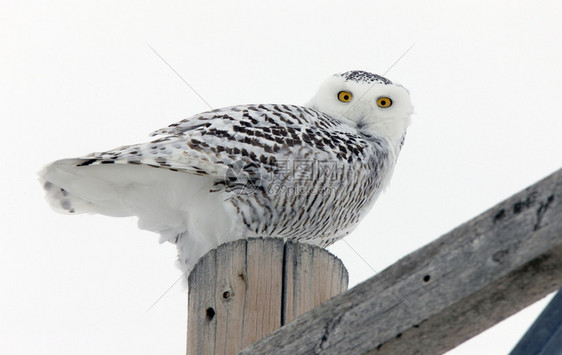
x,y
311,277
244,290
446,292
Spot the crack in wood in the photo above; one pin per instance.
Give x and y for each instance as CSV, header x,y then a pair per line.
x,y
327,330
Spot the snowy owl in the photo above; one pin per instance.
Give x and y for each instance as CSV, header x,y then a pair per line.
x,y
308,173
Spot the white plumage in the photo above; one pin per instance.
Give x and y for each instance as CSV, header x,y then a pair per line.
x,y
304,172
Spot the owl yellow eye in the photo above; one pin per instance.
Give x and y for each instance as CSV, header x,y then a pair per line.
x,y
384,102
344,96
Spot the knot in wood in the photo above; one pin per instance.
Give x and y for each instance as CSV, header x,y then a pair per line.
x,y
499,256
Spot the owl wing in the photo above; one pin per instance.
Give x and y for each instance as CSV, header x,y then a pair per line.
x,y
250,139
164,180
179,183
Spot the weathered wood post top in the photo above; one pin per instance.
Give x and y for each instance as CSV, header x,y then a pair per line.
x,y
246,289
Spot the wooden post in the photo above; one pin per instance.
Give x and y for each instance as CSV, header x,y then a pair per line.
x,y
246,289
446,292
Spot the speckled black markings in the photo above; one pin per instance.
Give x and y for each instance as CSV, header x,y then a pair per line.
x,y
87,162
365,77
262,138
402,142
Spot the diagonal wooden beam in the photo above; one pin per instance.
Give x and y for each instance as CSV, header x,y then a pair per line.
x,y
446,292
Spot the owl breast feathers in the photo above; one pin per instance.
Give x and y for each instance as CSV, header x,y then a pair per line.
x,y
308,172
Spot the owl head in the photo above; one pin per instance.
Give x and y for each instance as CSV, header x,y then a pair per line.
x,y
369,102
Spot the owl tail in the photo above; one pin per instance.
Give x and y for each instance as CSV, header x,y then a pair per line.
x,y
160,198
176,205
71,188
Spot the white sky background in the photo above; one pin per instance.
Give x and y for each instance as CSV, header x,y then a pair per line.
x,y
485,78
